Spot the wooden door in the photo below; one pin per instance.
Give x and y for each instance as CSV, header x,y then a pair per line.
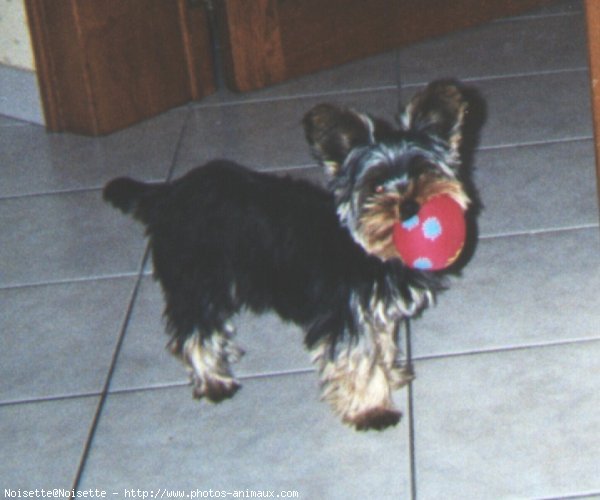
x,y
269,41
105,64
593,30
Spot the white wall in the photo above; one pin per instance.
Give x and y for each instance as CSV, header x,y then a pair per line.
x,y
19,95
15,44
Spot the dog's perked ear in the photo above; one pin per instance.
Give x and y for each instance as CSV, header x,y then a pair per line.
x,y
332,132
439,113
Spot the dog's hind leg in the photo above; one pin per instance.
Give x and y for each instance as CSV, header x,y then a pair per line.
x,y
208,359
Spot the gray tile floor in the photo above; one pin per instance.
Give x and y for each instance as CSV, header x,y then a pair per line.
x,y
505,404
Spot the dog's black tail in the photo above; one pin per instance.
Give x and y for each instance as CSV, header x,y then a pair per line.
x,y
129,196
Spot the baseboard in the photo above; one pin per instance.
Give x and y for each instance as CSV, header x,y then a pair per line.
x,y
20,97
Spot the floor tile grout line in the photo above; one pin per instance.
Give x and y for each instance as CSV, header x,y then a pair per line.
x,y
278,373
509,76
412,459
124,327
20,122
412,449
108,379
168,385
71,190
177,152
56,192
509,349
531,16
573,496
186,383
295,96
528,144
539,231
291,168
49,399
67,281
74,190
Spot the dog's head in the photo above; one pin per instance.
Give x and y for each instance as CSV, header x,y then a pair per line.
x,y
381,175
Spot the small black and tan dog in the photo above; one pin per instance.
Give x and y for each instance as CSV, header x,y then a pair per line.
x,y
224,238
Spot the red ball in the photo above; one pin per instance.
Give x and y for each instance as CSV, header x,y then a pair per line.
x,y
434,238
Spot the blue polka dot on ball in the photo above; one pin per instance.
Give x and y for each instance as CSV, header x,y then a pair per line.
x,y
422,263
410,224
432,228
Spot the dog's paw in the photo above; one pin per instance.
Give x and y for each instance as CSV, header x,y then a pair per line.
x,y
215,389
376,418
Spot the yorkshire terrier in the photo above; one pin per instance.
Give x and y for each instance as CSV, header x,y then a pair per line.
x,y
224,237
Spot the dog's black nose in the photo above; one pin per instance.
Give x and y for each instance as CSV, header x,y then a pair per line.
x,y
408,209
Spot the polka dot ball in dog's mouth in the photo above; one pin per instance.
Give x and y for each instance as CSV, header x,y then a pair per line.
x,y
432,239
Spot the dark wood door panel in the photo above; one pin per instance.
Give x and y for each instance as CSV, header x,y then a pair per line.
x,y
269,41
103,65
593,32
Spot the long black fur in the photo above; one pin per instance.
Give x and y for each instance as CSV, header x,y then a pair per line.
x,y
224,237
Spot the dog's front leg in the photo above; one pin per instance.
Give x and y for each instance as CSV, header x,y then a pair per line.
x,y
357,379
